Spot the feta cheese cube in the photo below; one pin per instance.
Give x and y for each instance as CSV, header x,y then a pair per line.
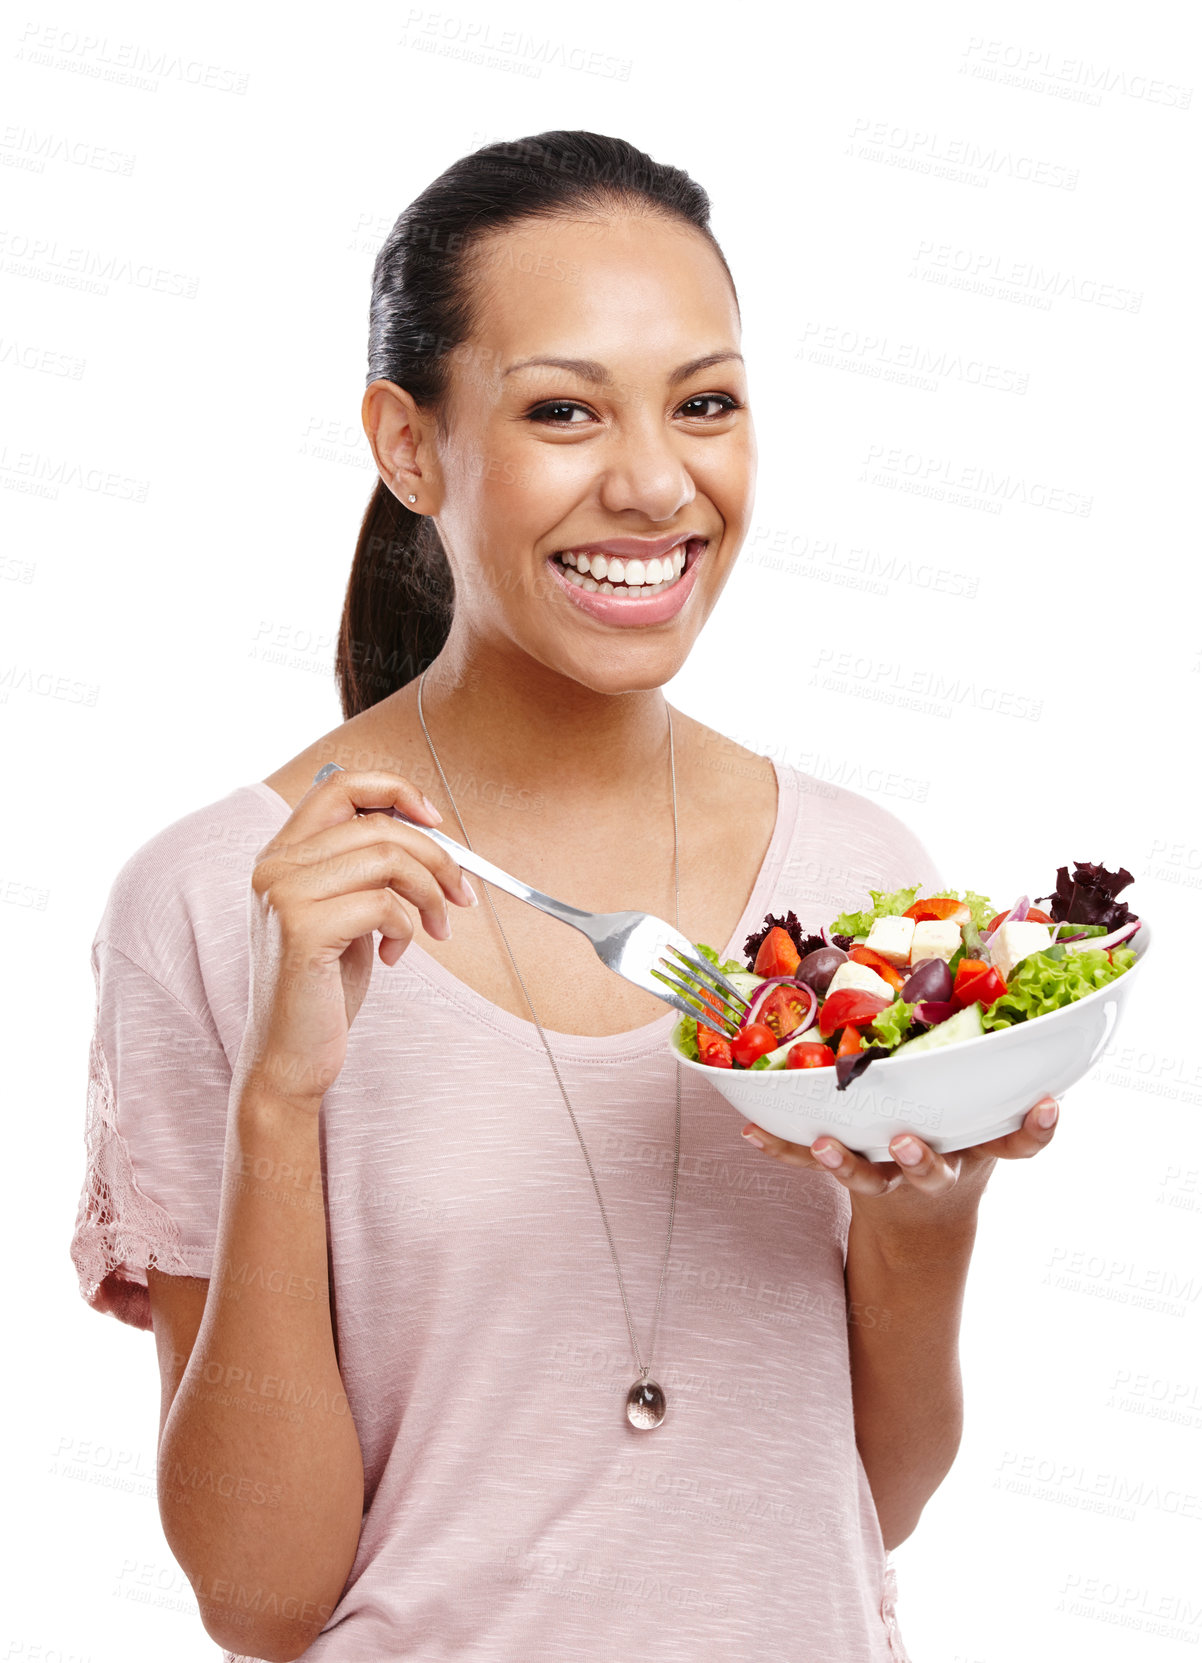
x,y
1013,942
935,938
892,938
860,976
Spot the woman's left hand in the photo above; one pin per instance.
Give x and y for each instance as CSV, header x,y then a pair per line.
x,y
903,1188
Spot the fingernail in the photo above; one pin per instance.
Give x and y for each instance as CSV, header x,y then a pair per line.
x,y
907,1151
828,1154
469,891
430,808
1047,1114
751,1138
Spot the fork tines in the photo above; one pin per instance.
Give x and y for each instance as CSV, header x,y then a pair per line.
x,y
731,1004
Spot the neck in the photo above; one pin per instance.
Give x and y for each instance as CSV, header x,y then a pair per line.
x,y
526,726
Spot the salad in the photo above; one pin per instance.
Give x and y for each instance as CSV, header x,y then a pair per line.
x,y
908,974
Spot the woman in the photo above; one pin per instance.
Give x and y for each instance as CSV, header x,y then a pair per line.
x,y
397,1314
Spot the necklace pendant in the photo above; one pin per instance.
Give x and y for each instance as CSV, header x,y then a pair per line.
x,y
646,1404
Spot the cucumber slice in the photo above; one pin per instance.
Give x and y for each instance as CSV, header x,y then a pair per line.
x,y
966,1024
744,981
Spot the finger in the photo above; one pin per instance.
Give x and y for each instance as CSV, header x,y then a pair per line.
x,y
921,1166
333,925
378,866
317,854
367,829
853,1171
1029,1138
342,794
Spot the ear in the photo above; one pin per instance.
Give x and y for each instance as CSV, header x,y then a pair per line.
x,y
401,434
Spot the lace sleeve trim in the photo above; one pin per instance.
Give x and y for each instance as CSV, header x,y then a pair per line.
x,y
897,1646
119,1231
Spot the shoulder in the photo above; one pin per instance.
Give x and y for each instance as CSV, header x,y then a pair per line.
x,y
181,892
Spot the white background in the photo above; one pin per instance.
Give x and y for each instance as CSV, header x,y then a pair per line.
x,y
963,237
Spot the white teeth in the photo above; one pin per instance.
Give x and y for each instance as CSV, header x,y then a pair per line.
x,y
606,574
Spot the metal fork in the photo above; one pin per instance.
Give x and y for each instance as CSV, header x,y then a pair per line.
x,y
634,945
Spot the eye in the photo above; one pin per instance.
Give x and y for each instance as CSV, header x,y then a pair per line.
x,y
723,400
554,412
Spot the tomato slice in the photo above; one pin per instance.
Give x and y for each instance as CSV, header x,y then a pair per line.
x,y
849,1004
851,1042
752,1042
1034,916
777,955
807,1054
987,986
966,970
939,907
784,1009
712,1048
878,962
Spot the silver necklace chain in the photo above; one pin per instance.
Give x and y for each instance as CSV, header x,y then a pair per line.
x,y
643,1368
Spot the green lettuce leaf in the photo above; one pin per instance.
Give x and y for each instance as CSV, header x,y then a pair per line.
x,y
890,1027
980,906
1041,983
724,965
761,1062
686,1038
885,904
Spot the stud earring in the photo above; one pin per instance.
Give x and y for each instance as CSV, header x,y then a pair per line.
x,y
412,498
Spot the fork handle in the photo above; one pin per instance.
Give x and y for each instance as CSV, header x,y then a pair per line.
x,y
472,862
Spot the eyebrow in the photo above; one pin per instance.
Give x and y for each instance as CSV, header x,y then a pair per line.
x,y
591,370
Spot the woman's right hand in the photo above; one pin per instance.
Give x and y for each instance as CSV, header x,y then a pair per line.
x,y
319,888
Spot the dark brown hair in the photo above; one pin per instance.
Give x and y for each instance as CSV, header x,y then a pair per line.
x,y
400,594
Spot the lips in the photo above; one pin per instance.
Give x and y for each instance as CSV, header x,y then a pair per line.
x,y
629,609
638,548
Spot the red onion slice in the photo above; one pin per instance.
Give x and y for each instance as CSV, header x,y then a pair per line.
x,y
825,933
757,1001
931,1011
1017,913
1112,940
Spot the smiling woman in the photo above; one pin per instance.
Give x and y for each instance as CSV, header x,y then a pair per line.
x,y
391,1282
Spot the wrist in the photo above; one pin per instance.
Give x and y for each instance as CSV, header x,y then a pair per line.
x,y
922,1228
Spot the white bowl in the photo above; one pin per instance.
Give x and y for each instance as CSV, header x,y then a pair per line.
x,y
965,1093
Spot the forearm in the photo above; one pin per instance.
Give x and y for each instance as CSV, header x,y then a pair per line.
x,y
905,1366
260,1471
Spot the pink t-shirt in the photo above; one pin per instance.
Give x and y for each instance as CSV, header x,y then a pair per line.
x,y
511,1514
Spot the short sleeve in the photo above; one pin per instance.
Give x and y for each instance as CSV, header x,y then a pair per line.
x,y
157,1094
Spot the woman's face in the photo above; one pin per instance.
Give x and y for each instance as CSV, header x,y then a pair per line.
x,y
551,479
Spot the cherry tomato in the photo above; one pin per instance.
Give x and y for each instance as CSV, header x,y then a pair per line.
x,y
712,1048
751,1042
878,962
806,1054
937,908
849,1004
784,1009
851,1042
1034,916
777,955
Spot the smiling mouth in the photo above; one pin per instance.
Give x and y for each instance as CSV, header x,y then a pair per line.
x,y
606,574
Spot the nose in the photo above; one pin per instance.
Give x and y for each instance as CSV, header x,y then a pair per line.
x,y
644,472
